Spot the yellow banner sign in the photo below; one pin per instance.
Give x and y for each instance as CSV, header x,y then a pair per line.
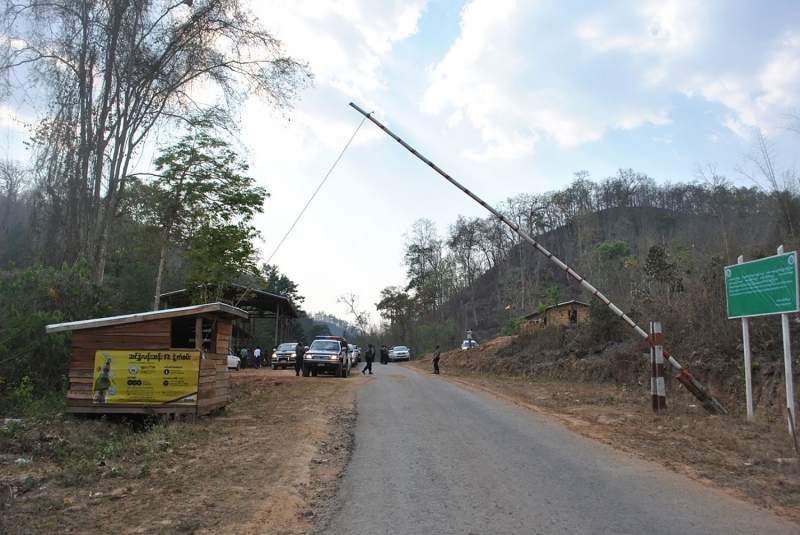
x,y
154,377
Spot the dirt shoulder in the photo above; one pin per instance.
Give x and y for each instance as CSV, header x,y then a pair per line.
x,y
261,466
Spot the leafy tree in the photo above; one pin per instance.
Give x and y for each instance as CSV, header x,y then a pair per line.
x,y
277,283
31,299
423,255
397,307
614,250
218,256
111,72
200,192
552,296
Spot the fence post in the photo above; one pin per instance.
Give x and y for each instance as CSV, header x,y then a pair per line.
x,y
658,389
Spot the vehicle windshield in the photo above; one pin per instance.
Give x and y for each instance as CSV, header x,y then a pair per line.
x,y
287,347
399,348
324,345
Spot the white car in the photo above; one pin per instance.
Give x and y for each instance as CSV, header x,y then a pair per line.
x,y
399,353
234,362
466,344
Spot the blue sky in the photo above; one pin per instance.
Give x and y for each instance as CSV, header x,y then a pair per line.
x,y
508,97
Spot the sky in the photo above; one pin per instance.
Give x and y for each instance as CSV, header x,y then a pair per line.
x,y
506,96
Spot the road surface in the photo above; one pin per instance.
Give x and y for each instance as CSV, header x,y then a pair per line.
x,y
432,457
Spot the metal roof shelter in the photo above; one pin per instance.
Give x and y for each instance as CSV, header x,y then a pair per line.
x,y
257,304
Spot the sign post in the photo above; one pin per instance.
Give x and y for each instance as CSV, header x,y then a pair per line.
x,y
765,287
748,371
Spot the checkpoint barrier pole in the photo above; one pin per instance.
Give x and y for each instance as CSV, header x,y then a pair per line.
x,y
684,377
658,389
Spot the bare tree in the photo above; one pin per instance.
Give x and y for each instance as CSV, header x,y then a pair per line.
x,y
13,178
762,165
350,300
112,71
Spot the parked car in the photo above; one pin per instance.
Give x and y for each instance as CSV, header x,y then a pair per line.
x,y
399,353
466,344
284,355
351,349
327,354
234,362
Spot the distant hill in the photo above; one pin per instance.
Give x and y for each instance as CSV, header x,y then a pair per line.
x,y
520,282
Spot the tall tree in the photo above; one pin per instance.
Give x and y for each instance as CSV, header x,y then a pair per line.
x,y
200,188
114,70
423,255
397,307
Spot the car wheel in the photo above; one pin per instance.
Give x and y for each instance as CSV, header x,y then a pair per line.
x,y
305,371
274,366
343,372
238,367
313,373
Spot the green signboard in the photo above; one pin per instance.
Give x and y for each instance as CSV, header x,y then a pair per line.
x,y
762,287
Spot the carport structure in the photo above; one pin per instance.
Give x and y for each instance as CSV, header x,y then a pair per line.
x,y
257,303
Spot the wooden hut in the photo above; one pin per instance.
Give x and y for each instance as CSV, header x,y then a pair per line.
x,y
165,362
566,313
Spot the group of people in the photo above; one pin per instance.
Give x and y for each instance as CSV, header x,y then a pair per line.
x,y
369,357
247,356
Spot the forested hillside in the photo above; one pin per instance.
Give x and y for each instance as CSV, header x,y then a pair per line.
x,y
657,251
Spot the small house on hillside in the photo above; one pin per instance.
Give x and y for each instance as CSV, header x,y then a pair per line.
x,y
566,313
166,362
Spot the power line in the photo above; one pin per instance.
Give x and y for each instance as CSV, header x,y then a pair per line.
x,y
317,190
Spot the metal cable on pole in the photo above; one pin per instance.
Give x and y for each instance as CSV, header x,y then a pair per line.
x,y
249,286
685,378
317,190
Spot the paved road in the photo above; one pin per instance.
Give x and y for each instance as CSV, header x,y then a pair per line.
x,y
434,458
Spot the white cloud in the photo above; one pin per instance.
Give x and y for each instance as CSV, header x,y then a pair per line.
x,y
573,76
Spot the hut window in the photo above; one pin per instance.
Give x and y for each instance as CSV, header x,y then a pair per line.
x,y
183,335
573,316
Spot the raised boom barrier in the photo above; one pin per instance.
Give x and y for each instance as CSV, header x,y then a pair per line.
x,y
684,377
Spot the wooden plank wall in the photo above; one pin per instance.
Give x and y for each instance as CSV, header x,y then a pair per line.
x,y
150,335
215,383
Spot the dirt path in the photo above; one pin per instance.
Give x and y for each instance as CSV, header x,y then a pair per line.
x,y
260,467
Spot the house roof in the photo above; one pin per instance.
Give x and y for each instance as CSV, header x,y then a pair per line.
x,y
216,309
255,301
559,305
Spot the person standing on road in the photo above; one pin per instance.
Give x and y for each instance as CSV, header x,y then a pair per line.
x,y
299,351
436,355
369,357
257,355
245,357
384,354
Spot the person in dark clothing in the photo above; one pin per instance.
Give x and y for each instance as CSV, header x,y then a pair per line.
x,y
369,357
384,355
436,355
299,351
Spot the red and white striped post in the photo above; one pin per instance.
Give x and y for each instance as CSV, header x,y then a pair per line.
x,y
658,388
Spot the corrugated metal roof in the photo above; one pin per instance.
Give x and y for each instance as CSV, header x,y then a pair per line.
x,y
208,308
